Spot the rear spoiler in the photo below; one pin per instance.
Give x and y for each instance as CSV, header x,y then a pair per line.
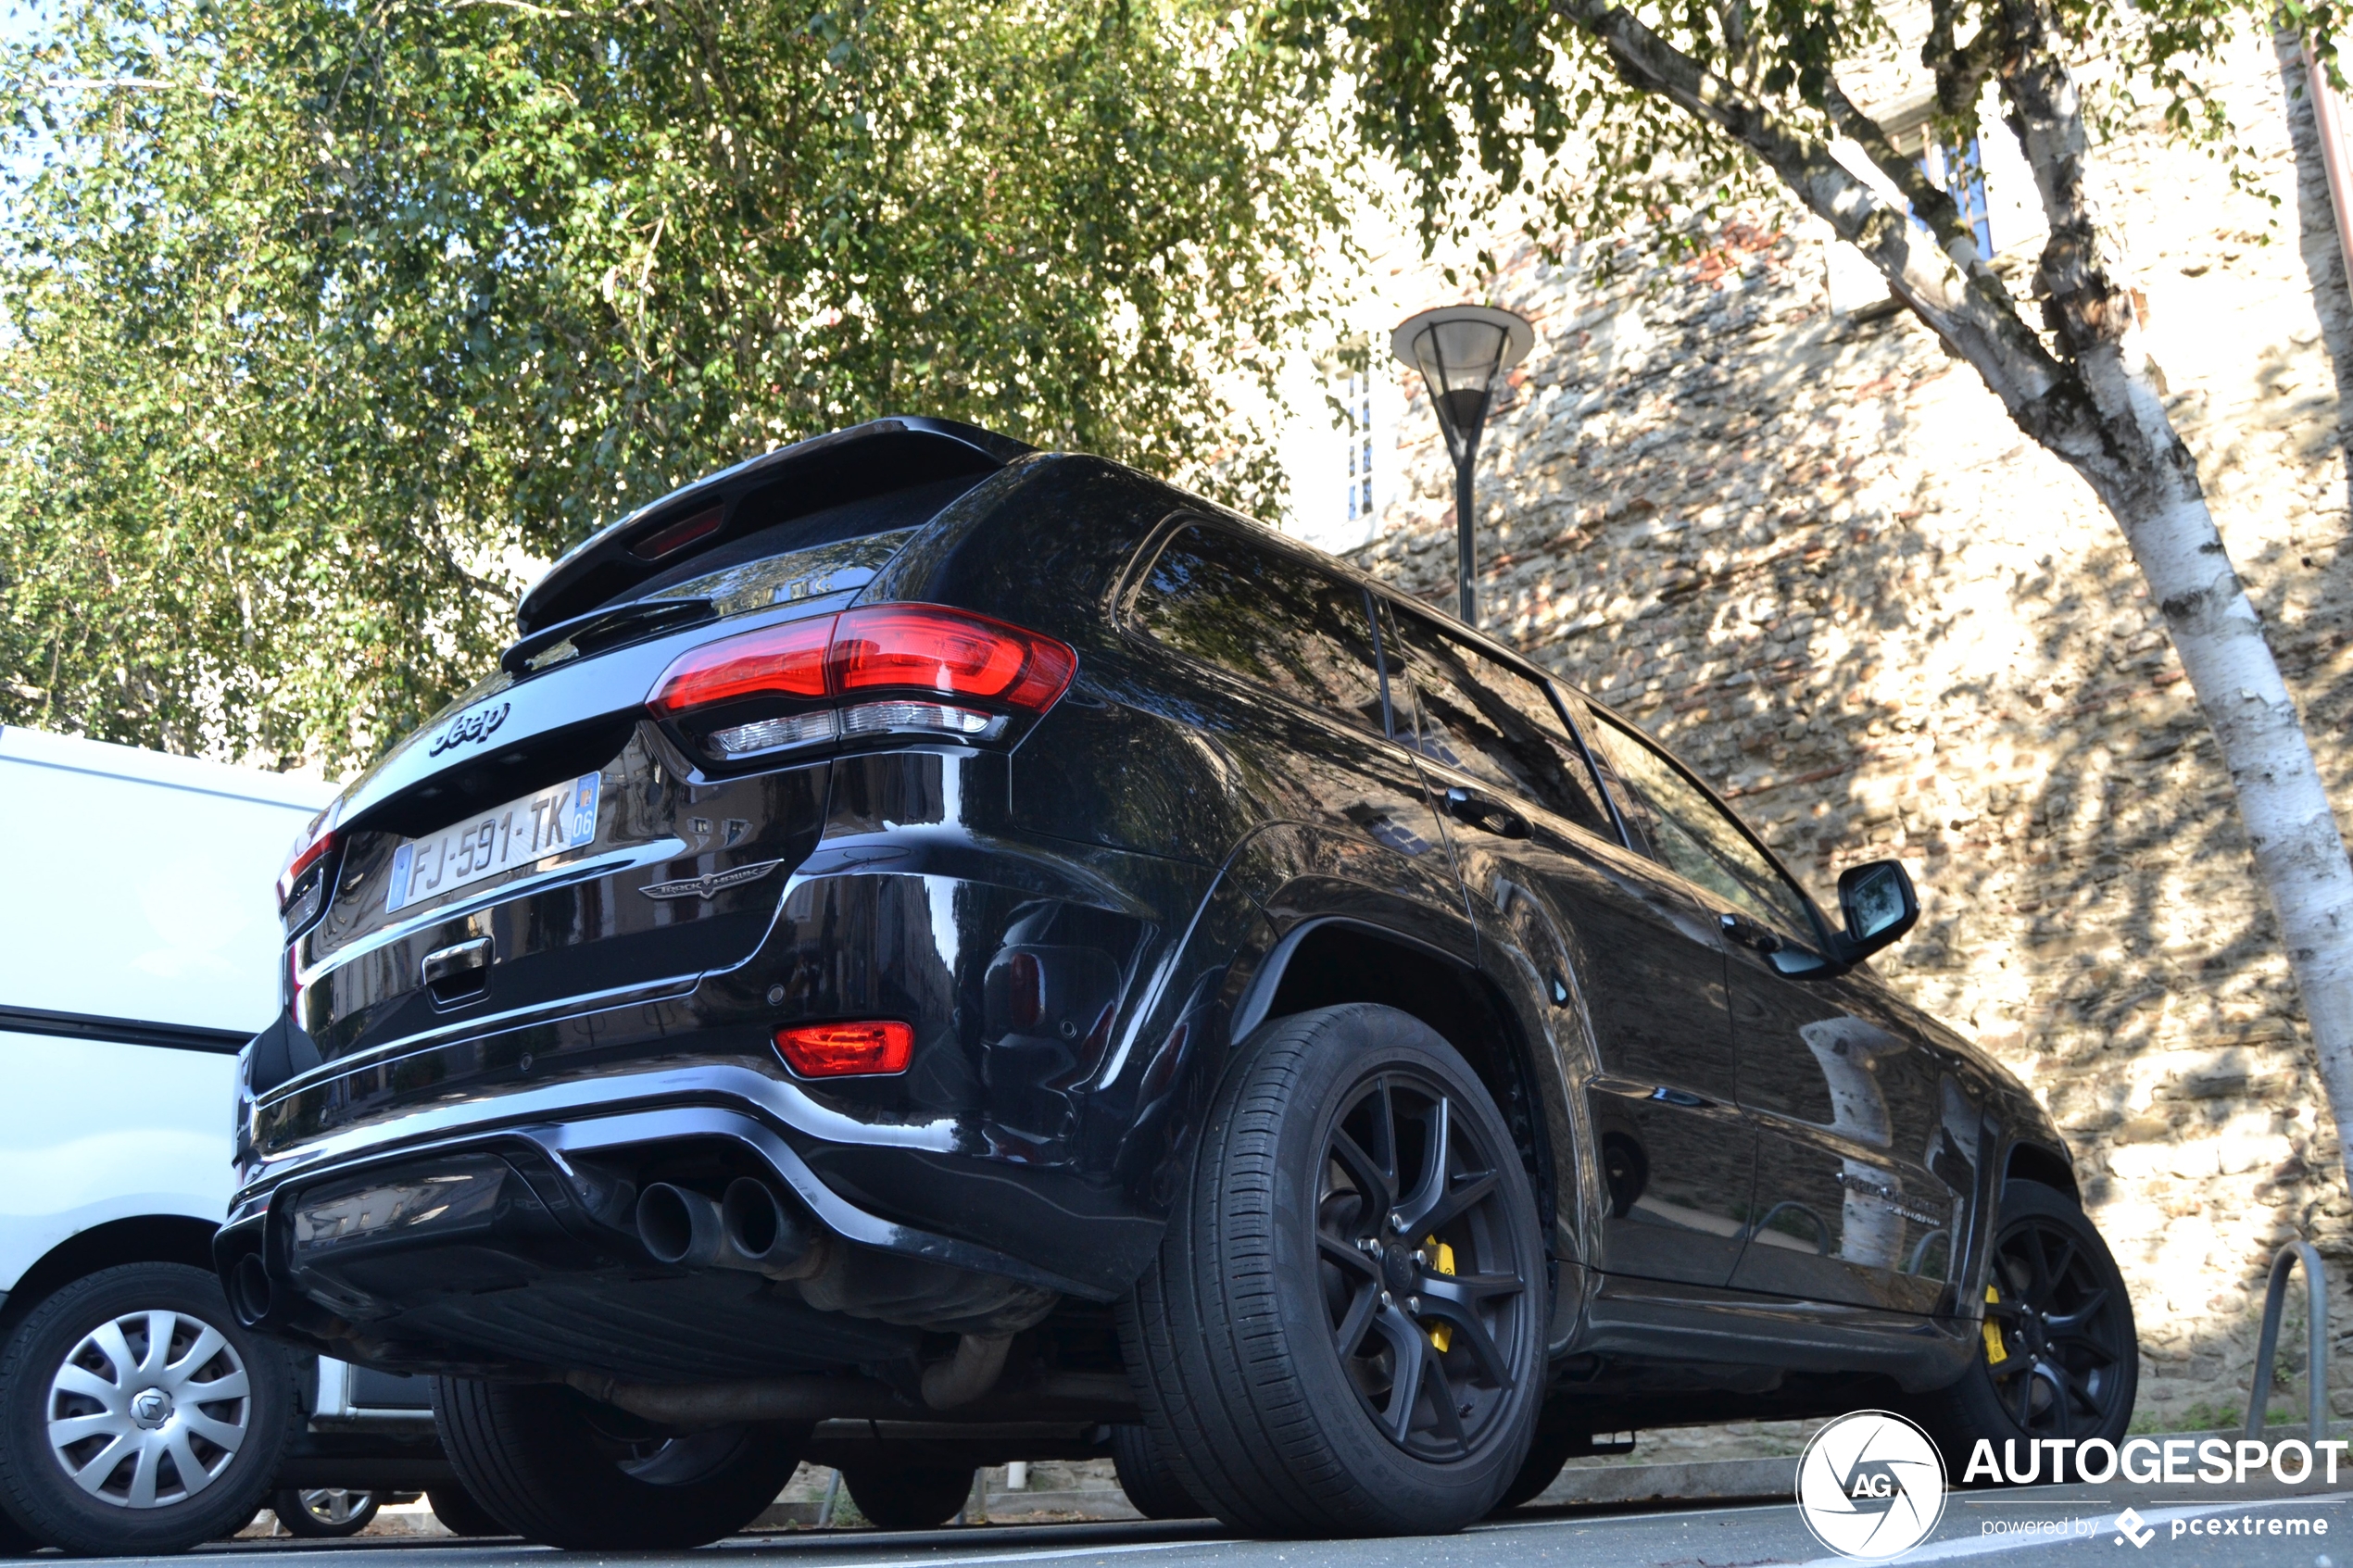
x,y
871,459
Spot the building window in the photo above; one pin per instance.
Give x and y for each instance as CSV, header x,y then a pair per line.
x,y
1356,402
1962,171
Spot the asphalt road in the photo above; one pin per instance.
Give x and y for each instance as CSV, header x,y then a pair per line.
x,y
2030,1528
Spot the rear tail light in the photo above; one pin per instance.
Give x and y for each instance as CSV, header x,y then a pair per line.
x,y
846,1051
902,659
310,847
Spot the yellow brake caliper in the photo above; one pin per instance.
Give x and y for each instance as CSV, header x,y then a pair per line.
x,y
1995,1351
1442,1258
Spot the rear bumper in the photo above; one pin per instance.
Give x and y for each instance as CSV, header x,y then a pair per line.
x,y
496,1236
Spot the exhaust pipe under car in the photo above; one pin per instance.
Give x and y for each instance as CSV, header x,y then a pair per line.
x,y
251,1294
751,1229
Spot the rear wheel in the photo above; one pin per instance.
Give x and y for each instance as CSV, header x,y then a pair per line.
x,y
1546,1458
2058,1356
561,1468
1149,1481
912,1498
137,1416
324,1511
460,1514
1341,1334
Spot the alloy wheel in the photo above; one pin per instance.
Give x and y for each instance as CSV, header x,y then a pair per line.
x,y
148,1408
2056,1328
1421,1274
335,1506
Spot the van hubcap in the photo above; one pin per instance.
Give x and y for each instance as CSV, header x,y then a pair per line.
x,y
150,1409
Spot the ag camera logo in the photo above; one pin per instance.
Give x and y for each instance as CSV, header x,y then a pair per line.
x,y
1871,1486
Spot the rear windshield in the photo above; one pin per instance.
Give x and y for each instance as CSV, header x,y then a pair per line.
x,y
789,559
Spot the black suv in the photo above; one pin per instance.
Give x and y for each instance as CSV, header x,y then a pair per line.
x,y
927,951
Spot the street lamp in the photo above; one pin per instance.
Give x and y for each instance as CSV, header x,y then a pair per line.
x,y
1460,349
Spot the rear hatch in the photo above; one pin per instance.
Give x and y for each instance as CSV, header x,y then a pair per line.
x,y
542,846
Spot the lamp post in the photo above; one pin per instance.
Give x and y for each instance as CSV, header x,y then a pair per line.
x,y
1460,349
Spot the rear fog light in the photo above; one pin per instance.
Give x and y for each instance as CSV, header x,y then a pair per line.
x,y
847,1050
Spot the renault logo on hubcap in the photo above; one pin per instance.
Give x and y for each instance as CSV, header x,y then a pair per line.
x,y
151,1408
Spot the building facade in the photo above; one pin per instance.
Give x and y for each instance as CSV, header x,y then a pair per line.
x,y
1775,524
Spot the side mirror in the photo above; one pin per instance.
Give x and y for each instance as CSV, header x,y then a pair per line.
x,y
1878,906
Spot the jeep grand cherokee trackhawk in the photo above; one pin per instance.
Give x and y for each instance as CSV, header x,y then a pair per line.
x,y
926,949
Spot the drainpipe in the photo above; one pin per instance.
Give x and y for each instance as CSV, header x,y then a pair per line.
x,y
2328,124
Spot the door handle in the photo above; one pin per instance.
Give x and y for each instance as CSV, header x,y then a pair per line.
x,y
1748,934
457,972
1484,813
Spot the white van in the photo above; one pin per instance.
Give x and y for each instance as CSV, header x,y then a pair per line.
x,y
139,949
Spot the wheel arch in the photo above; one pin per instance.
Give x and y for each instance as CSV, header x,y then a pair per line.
x,y
138,1238
1330,959
2036,1162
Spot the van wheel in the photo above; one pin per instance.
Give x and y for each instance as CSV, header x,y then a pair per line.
x,y
2058,1356
136,1416
324,1513
912,1498
1342,1332
558,1467
1147,1478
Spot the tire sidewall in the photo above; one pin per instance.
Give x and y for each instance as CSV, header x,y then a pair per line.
x,y
34,1487
1398,1490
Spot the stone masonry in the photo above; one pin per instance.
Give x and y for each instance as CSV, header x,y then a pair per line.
x,y
1811,553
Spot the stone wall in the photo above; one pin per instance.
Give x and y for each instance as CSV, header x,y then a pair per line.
x,y
1813,556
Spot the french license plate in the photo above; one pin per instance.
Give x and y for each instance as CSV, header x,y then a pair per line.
x,y
520,832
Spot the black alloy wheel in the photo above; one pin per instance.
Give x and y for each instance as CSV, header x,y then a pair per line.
x,y
557,1467
2056,1355
1420,1267
1342,1332
2064,1345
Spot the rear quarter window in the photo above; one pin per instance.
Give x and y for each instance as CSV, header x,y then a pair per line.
x,y
1269,617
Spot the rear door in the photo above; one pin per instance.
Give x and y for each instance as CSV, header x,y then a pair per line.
x,y
1536,843
1846,1096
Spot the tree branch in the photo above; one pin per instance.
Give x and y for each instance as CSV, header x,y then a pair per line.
x,y
1931,204
1973,314
2088,306
1960,70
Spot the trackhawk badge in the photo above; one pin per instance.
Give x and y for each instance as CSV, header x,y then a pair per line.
x,y
710,887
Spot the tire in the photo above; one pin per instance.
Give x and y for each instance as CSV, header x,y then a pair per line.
x,y
914,1498
460,1514
17,1541
2069,1365
1263,1337
557,1467
1546,1458
88,1356
324,1513
1147,1478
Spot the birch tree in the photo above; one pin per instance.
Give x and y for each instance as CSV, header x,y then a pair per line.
x,y
1676,101
319,322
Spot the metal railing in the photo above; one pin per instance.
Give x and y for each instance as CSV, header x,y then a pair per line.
x,y
2316,1363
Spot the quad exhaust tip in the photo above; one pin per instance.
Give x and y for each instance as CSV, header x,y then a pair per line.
x,y
751,1228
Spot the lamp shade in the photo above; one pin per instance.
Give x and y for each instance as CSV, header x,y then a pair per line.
x,y
1460,349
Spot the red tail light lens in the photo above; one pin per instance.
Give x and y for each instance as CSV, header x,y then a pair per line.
x,y
904,650
924,648
310,847
846,1051
788,661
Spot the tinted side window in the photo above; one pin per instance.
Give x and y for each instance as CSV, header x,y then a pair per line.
x,y
1494,724
1694,836
1267,617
